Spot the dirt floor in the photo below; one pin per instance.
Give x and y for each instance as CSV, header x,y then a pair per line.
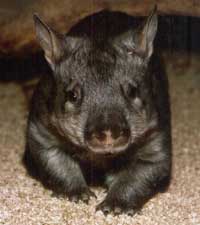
x,y
24,201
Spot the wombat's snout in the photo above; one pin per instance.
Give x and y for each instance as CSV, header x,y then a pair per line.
x,y
108,134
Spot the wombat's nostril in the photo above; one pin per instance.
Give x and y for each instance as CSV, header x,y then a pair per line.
x,y
99,135
102,135
105,137
117,133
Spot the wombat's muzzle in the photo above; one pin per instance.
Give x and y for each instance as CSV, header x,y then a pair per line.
x,y
108,134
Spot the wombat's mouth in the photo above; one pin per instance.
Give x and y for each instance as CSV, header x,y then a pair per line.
x,y
107,149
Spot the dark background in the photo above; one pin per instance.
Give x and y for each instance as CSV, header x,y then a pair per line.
x,y
177,34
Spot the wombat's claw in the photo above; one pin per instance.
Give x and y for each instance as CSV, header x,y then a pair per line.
x,y
85,196
82,196
104,208
107,208
57,195
92,194
130,212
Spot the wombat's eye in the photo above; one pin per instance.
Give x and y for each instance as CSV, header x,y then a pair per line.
x,y
72,96
131,91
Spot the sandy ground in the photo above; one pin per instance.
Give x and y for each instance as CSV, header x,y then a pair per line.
x,y
23,201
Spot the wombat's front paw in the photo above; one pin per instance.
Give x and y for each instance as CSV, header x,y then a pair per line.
x,y
116,207
83,195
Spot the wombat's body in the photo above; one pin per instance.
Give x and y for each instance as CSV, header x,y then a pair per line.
x,y
103,115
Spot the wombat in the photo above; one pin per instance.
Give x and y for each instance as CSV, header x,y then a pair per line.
x,y
102,116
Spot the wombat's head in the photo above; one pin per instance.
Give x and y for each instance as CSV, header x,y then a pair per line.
x,y
103,98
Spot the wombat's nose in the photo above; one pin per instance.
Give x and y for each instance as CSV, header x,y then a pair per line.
x,y
107,133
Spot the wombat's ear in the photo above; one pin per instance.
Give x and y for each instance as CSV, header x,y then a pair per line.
x,y
50,41
147,34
